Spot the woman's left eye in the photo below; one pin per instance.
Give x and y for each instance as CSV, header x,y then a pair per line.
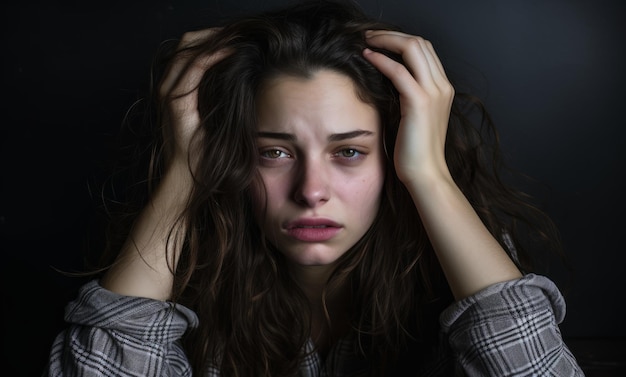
x,y
349,153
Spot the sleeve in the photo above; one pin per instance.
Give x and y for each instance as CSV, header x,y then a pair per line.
x,y
114,335
511,329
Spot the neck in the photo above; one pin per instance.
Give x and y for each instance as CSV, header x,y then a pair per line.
x,y
329,322
313,280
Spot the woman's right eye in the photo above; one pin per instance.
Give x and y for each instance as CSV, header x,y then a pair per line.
x,y
274,154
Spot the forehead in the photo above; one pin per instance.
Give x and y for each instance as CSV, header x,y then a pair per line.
x,y
325,99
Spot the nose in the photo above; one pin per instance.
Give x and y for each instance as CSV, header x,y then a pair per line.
x,y
311,184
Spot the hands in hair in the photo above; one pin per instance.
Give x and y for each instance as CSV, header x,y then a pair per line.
x,y
469,255
425,99
178,93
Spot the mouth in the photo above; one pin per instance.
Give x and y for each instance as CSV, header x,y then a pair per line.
x,y
313,230
313,226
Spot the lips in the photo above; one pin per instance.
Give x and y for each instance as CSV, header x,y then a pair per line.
x,y
313,229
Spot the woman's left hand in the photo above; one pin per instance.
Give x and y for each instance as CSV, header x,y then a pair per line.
x,y
469,255
425,100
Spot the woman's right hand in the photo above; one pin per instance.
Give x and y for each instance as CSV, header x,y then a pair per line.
x,y
178,93
149,257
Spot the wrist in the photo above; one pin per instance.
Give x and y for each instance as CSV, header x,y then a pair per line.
x,y
425,180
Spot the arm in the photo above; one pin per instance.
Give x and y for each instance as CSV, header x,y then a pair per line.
x,y
145,265
502,324
123,325
470,256
142,268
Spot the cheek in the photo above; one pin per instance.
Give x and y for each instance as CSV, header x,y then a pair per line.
x,y
366,197
372,199
375,192
258,196
268,196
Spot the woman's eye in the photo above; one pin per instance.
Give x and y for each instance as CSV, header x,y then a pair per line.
x,y
349,153
274,154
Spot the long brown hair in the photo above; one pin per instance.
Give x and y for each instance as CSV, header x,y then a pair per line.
x,y
254,321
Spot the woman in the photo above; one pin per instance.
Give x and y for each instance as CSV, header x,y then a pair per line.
x,y
320,200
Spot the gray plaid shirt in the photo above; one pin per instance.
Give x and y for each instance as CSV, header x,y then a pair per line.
x,y
508,329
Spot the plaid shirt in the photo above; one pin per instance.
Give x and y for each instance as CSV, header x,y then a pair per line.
x,y
508,329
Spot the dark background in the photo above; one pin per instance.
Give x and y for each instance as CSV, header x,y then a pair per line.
x,y
551,73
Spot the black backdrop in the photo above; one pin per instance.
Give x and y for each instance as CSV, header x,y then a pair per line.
x,y
551,73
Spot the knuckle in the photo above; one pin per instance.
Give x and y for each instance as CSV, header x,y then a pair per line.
x,y
414,43
447,90
187,38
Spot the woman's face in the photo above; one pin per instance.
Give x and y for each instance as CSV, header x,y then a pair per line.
x,y
321,164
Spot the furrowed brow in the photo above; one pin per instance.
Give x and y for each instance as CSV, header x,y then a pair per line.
x,y
277,135
349,135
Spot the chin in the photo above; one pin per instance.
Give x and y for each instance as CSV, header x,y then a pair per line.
x,y
314,257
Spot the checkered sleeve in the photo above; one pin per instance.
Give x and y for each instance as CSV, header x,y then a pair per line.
x,y
114,335
511,329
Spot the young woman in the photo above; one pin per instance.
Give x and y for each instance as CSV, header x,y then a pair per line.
x,y
323,207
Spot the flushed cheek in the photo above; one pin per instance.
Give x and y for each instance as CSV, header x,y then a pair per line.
x,y
276,193
273,199
269,199
365,200
369,204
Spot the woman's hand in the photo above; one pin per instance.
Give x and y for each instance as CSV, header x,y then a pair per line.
x,y
179,93
469,255
425,99
150,255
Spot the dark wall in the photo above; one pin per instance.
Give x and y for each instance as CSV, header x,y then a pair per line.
x,y
551,73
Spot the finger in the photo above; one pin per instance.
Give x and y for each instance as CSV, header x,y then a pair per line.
x,y
193,38
410,51
416,52
399,75
181,66
435,59
189,75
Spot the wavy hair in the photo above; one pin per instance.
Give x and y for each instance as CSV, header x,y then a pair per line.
x,y
254,320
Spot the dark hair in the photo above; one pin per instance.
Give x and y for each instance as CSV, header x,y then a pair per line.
x,y
254,320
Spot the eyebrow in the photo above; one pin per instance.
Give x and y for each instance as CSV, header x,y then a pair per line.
x,y
331,137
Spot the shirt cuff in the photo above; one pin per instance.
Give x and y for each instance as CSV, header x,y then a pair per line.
x,y
514,298
147,319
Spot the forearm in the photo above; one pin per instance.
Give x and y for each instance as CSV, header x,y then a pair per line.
x,y
144,265
146,262
470,256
